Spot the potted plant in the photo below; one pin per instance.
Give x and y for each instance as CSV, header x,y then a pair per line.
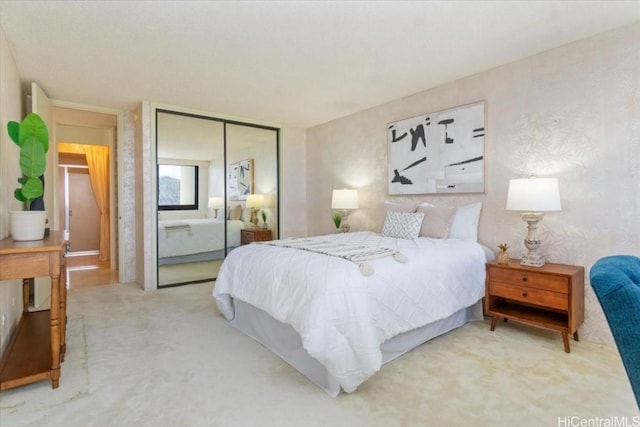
x,y
32,137
337,221
263,214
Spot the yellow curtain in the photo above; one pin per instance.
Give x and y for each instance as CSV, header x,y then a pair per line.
x,y
98,162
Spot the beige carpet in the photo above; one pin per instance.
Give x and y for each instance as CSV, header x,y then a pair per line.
x,y
167,358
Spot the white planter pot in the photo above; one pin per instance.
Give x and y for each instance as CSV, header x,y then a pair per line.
x,y
27,225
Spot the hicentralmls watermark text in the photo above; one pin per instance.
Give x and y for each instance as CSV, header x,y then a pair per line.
x,y
614,421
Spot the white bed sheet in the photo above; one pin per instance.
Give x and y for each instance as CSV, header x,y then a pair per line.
x,y
194,236
342,316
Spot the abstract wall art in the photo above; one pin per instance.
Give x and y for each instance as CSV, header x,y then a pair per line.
x,y
441,152
240,180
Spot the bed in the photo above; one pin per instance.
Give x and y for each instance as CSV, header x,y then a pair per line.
x,y
337,319
191,240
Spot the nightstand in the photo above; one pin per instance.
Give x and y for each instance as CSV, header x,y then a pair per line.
x,y
254,235
551,296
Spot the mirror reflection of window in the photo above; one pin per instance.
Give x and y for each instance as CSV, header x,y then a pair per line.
x,y
177,187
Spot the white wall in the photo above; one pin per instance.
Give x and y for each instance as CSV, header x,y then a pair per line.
x,y
571,113
11,108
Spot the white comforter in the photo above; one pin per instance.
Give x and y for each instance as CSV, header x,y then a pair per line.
x,y
343,316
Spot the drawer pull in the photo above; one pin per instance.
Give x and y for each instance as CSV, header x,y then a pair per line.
x,y
524,294
524,279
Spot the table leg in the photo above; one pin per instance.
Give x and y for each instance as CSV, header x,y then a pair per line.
x,y
575,336
565,339
55,331
25,295
63,314
494,319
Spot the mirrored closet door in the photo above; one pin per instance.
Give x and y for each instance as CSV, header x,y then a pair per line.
x,y
217,188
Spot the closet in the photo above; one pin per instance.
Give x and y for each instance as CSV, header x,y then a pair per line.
x,y
214,177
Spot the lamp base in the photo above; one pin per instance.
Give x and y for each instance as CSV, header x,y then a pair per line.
x,y
532,258
345,227
254,217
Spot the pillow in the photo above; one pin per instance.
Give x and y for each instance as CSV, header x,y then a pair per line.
x,y
403,225
245,215
437,221
399,207
235,212
465,222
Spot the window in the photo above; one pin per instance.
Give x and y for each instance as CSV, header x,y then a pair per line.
x,y
177,187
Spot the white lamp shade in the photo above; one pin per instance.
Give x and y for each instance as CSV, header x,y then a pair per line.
x,y
344,199
255,200
533,195
215,202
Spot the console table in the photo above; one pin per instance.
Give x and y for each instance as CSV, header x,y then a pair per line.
x,y
37,345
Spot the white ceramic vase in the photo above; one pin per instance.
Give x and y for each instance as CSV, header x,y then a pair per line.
x,y
27,225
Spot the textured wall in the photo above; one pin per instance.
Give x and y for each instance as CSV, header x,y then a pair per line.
x,y
571,113
127,185
11,103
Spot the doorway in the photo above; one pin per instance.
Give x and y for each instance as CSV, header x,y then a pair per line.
x,y
80,218
84,187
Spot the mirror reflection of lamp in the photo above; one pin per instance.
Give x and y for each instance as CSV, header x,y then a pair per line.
x,y
255,202
533,196
215,203
344,200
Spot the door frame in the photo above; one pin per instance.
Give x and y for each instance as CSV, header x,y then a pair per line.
x,y
118,252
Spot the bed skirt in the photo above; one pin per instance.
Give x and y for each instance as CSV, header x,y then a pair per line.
x,y
285,342
203,256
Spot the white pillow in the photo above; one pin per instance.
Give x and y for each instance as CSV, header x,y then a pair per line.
x,y
403,225
399,207
245,214
465,222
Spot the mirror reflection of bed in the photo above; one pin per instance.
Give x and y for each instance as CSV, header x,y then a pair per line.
x,y
207,168
191,250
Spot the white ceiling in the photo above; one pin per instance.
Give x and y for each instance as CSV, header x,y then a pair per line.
x,y
292,63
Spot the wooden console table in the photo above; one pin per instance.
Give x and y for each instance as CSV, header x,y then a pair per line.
x,y
27,358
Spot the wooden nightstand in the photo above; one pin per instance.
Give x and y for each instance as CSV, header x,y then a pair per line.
x,y
551,296
254,235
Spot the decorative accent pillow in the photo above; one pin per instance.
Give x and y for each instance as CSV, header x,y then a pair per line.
x,y
465,222
403,225
235,212
437,221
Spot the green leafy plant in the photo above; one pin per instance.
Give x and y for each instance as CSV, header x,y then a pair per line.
x,y
337,219
32,137
263,214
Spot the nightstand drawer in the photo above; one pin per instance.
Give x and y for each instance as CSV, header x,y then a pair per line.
x,y
555,300
254,235
246,238
531,280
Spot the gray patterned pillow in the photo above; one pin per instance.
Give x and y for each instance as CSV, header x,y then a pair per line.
x,y
403,225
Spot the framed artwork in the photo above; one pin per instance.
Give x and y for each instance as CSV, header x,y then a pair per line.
x,y
441,152
240,180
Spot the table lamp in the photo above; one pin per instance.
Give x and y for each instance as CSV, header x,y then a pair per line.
x,y
344,200
533,196
255,202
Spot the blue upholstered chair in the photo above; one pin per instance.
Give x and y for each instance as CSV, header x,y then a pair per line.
x,y
616,282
